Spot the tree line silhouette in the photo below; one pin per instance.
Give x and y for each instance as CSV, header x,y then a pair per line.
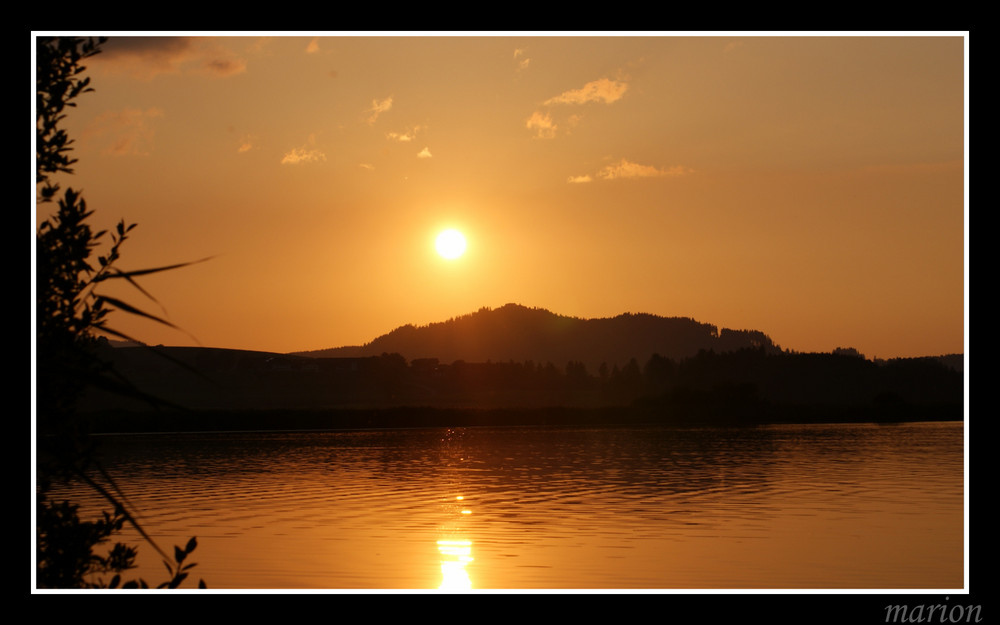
x,y
745,385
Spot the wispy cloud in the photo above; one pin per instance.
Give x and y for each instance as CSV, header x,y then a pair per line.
x,y
125,132
304,154
223,66
247,143
601,90
522,60
379,107
542,124
405,136
367,166
147,57
425,153
628,169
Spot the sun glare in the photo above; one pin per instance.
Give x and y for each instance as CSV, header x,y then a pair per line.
x,y
450,244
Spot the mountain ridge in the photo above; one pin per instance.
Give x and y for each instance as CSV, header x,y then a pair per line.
x,y
519,358
514,332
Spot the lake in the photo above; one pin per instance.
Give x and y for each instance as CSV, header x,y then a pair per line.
x,y
847,506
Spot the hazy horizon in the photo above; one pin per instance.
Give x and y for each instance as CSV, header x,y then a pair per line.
x,y
812,188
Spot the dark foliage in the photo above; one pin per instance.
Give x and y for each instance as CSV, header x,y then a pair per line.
x,y
68,312
258,390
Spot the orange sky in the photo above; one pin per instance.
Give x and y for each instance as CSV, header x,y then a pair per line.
x,y
809,187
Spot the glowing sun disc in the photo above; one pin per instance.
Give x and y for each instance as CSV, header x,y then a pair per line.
x,y
450,244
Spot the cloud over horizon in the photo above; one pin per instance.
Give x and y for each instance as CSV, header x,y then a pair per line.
x,y
379,107
522,63
542,124
147,57
247,143
304,154
405,136
600,90
628,169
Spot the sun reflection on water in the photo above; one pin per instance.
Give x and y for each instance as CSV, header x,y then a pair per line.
x,y
455,555
455,551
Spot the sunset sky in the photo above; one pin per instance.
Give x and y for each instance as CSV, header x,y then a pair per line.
x,y
810,187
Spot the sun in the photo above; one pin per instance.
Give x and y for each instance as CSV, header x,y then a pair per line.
x,y
450,244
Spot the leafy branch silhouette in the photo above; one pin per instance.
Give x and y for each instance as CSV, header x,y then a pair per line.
x,y
69,313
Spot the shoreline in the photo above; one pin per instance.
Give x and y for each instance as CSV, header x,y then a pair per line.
x,y
401,417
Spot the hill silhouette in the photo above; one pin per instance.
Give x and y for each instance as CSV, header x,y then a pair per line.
x,y
524,365
519,334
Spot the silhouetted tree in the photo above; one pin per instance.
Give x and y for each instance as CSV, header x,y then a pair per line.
x,y
631,375
848,351
68,311
576,375
657,372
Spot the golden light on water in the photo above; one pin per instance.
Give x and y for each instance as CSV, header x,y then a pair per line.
x,y
455,555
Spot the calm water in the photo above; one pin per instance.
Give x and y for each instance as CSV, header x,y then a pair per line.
x,y
821,506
